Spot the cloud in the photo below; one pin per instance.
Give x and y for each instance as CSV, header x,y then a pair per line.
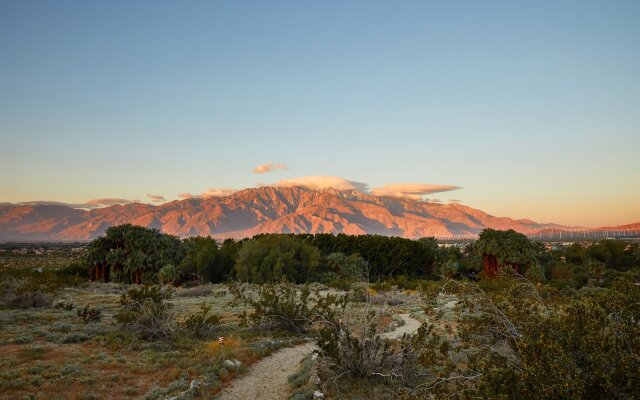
x,y
105,202
156,198
217,193
455,201
91,204
269,167
323,182
213,192
413,191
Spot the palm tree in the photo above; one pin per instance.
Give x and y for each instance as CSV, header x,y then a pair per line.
x,y
501,249
96,258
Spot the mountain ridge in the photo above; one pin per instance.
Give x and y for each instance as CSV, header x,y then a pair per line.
x,y
262,210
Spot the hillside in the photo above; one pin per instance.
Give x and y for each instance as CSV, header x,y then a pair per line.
x,y
260,210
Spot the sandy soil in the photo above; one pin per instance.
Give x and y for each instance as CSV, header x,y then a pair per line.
x,y
410,326
267,379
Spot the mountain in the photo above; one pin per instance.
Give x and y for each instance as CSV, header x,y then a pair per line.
x,y
261,210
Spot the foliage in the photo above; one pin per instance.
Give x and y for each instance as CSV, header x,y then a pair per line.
x,y
89,313
202,258
510,247
202,324
25,293
65,303
362,353
271,258
145,312
128,249
521,343
283,306
169,274
384,255
347,268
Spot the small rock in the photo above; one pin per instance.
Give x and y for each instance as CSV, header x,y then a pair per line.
x,y
237,363
318,395
229,365
195,385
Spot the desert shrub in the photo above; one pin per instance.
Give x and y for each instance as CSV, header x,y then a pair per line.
x,y
521,343
145,312
24,339
302,382
197,291
361,352
202,324
25,293
89,313
65,303
77,337
283,306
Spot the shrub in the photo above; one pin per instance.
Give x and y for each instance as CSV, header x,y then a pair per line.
x,y
24,293
145,312
198,291
89,313
202,324
283,306
65,303
362,353
539,345
74,338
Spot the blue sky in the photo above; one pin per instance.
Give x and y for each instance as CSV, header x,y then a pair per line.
x,y
533,109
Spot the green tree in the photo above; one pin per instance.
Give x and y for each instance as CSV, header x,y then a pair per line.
x,y
201,259
271,258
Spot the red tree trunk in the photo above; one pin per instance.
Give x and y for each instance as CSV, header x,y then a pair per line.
x,y
98,273
138,277
490,266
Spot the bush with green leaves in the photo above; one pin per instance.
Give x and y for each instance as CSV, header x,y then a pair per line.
x,y
65,303
89,313
146,313
284,306
169,274
519,342
202,324
25,293
361,352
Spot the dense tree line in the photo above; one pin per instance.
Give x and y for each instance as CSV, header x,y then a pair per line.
x,y
129,253
134,254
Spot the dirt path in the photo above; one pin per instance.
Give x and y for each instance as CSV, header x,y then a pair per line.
x,y
267,379
410,326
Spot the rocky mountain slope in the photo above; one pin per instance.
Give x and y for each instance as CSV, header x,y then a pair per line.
x,y
260,210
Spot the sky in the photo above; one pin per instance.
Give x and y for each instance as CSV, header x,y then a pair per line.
x,y
529,109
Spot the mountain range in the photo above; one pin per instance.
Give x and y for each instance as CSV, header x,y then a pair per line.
x,y
261,210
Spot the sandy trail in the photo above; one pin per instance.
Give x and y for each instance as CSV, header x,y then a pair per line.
x,y
410,326
267,379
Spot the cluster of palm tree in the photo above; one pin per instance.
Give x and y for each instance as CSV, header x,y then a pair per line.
x,y
501,249
131,254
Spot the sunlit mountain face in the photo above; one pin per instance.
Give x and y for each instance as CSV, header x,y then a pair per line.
x,y
261,210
